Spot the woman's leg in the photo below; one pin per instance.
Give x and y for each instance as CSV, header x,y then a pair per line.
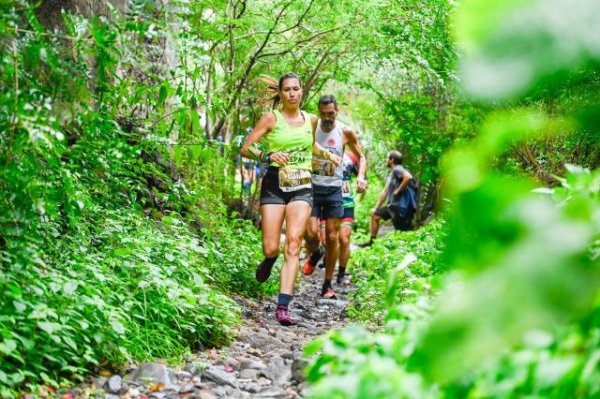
x,y
296,217
272,218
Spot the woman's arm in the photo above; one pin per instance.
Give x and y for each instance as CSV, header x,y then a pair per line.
x,y
264,126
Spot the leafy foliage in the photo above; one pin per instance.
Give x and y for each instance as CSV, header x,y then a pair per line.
x,y
109,215
515,314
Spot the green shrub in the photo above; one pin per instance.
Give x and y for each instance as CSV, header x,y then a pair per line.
x,y
128,288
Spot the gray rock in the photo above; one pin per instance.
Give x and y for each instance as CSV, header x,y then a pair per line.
x,y
114,384
187,388
153,373
298,367
220,392
191,368
99,382
271,393
111,396
288,355
252,364
264,381
249,374
182,374
204,395
278,371
286,337
234,393
165,394
252,387
302,388
220,376
230,362
263,341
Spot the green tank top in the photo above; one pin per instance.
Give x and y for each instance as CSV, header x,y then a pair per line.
x,y
296,141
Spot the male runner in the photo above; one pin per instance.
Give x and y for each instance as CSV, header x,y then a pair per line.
x,y
350,163
327,187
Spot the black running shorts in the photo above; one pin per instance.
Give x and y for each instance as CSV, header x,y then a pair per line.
x,y
271,194
328,203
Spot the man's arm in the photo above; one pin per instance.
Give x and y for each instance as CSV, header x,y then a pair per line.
x,y
316,147
352,142
406,178
382,197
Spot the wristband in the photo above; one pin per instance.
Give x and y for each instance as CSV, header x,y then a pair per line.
x,y
265,156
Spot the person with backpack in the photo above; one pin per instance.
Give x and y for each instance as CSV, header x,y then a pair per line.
x,y
401,195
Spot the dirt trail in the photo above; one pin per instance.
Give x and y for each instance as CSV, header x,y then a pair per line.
x,y
264,361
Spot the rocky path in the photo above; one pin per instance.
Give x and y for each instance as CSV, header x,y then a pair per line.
x,y
264,361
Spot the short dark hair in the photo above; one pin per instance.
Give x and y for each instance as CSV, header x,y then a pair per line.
x,y
328,99
396,157
289,75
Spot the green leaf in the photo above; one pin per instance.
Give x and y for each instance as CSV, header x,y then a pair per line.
x,y
8,346
117,327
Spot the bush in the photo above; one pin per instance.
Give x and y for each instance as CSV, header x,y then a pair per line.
x,y
128,288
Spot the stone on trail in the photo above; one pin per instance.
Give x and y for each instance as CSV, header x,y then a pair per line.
x,y
182,374
192,369
99,382
114,384
271,393
111,396
187,388
278,372
204,395
166,394
220,376
332,302
252,364
298,367
153,373
249,374
263,341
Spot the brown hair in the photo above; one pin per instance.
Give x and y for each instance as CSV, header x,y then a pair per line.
x,y
396,157
270,94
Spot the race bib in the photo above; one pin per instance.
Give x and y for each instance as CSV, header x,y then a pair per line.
x,y
291,179
323,167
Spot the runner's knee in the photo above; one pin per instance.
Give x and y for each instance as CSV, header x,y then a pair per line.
x,y
292,246
331,238
271,249
344,240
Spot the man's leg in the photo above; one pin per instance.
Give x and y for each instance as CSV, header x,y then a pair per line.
x,y
378,214
374,224
313,243
345,232
332,228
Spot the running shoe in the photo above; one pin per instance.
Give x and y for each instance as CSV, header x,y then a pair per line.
x,y
263,271
311,262
283,316
321,263
328,293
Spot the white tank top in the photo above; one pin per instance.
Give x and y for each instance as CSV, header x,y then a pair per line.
x,y
325,174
